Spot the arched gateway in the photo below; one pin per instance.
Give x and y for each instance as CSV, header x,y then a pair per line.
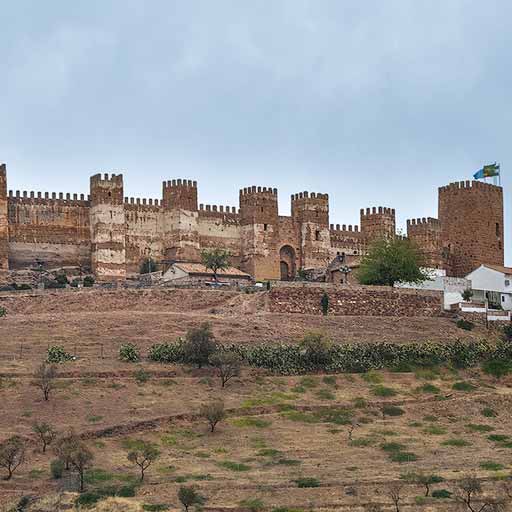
x,y
287,263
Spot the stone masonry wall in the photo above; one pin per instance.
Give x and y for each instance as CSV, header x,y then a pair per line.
x,y
355,301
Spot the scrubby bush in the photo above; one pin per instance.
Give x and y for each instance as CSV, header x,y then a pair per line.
x,y
3,312
507,332
307,482
57,354
56,469
497,368
324,302
465,324
142,376
316,349
467,294
129,353
88,281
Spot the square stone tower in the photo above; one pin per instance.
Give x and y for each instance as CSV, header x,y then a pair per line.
x,y
471,217
4,221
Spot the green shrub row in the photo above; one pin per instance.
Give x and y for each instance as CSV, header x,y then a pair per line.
x,y
290,359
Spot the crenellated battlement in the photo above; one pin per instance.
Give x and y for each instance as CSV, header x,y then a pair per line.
x,y
249,191
213,208
179,194
180,183
428,222
468,184
308,195
104,179
378,222
137,201
343,228
380,210
49,198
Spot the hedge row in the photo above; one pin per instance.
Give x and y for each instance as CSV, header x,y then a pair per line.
x,y
289,359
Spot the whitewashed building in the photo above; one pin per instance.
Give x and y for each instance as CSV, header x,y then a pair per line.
x,y
494,284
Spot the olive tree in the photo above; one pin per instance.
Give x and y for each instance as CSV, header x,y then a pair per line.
x,y
213,412
80,459
44,378
215,259
45,433
227,365
469,490
189,497
199,345
65,446
143,456
12,454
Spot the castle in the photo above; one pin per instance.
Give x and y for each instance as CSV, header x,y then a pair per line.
x,y
112,235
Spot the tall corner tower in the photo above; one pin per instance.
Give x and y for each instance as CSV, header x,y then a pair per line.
x,y
310,212
181,217
471,217
425,233
108,227
4,220
259,224
378,223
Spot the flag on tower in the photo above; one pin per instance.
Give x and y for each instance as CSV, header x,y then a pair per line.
x,y
487,171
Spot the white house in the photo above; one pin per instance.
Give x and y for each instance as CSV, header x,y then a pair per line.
x,y
185,272
494,283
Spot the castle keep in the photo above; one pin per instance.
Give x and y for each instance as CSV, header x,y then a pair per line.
x,y
112,234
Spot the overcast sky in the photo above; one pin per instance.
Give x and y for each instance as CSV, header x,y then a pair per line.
x,y
375,102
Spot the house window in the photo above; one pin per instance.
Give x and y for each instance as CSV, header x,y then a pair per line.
x,y
265,227
317,235
498,231
503,298
507,282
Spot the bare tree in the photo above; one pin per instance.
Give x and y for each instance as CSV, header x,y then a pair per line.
x,y
469,490
65,446
12,454
45,432
80,459
45,378
144,456
227,365
213,412
395,494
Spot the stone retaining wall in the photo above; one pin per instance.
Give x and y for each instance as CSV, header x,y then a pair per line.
x,y
356,301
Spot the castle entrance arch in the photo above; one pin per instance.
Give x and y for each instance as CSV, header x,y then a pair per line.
x,y
287,262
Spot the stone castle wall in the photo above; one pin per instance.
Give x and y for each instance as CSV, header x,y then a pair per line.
x,y
113,234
